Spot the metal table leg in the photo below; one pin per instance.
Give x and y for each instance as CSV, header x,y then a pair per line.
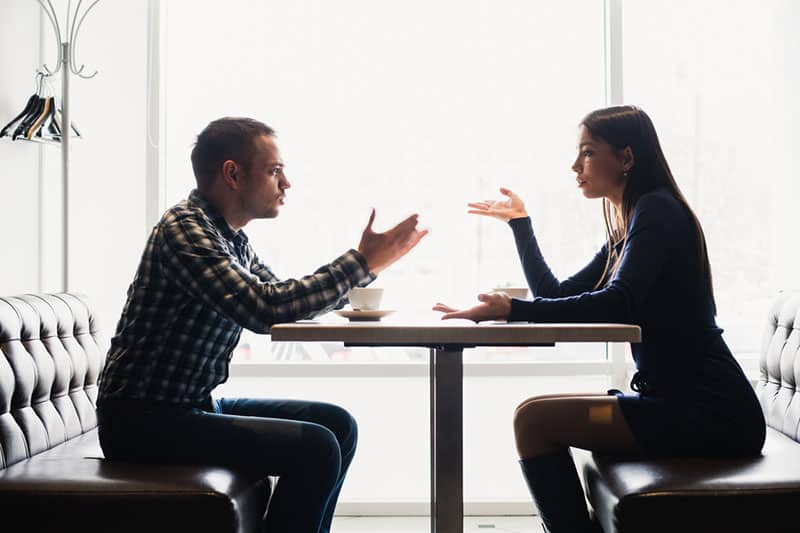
x,y
447,484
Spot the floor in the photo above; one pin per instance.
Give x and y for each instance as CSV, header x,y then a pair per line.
x,y
422,524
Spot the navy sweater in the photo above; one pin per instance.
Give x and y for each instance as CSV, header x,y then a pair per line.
x,y
659,286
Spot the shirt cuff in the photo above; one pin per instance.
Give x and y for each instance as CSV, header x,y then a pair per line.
x,y
363,275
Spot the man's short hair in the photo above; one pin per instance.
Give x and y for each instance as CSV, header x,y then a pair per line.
x,y
223,139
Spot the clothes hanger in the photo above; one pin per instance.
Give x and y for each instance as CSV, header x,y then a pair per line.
x,y
45,130
29,106
33,114
49,124
37,124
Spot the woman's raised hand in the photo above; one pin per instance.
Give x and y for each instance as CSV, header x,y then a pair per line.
x,y
505,210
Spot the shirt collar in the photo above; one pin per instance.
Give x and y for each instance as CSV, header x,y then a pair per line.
x,y
197,199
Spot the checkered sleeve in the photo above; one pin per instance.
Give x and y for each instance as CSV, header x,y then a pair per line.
x,y
203,264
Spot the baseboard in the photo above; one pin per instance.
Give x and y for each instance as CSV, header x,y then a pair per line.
x,y
423,508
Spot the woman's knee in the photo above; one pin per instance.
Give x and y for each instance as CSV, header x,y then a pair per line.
x,y
528,414
530,426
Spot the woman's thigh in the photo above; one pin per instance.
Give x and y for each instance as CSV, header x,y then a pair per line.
x,y
591,422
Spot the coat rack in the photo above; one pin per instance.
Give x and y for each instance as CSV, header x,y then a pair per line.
x,y
67,64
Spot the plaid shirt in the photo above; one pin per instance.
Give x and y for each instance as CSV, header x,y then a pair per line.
x,y
198,284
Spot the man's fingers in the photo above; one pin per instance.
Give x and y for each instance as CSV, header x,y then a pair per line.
x,y
409,222
415,238
371,219
403,230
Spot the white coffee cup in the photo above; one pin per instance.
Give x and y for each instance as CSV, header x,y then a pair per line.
x,y
514,292
365,298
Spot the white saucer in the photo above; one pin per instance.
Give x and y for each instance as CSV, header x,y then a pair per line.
x,y
363,316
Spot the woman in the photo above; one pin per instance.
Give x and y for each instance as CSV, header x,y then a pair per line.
x,y
689,395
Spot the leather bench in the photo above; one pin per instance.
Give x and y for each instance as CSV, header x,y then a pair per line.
x,y
710,495
53,476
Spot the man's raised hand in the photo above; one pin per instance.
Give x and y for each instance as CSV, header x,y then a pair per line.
x,y
382,249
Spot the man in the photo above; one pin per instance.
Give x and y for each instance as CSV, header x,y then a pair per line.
x,y
198,284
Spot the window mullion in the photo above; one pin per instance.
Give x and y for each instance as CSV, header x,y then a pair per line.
x,y
613,51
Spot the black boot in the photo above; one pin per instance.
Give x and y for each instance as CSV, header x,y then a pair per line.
x,y
558,493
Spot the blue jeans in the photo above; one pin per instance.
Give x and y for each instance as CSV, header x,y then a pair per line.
x,y
308,445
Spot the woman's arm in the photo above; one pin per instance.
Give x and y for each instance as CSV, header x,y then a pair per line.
x,y
541,279
652,237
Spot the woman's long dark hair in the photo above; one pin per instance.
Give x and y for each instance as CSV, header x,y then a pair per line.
x,y
623,126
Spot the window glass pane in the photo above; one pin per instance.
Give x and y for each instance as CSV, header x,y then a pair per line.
x,y
719,79
410,106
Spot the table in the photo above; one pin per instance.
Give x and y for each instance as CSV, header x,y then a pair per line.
x,y
447,340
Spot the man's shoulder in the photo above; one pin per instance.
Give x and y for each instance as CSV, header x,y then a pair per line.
x,y
184,212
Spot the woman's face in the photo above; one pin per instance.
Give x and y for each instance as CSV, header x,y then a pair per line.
x,y
599,168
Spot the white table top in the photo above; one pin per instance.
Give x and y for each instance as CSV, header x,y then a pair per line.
x,y
452,332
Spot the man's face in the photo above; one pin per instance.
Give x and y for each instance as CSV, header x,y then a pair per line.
x,y
263,185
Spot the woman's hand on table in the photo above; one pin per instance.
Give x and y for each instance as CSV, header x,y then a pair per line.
x,y
505,210
494,306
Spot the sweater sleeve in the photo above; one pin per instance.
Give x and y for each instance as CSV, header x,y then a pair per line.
x,y
541,280
648,245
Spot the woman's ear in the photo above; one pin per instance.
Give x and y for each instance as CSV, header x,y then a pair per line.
x,y
627,159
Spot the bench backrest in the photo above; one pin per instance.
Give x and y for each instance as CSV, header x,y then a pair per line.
x,y
49,364
777,386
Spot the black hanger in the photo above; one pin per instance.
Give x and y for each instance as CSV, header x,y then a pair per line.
x,y
28,108
33,114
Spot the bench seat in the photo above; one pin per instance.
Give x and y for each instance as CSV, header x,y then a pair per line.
x,y
760,494
53,476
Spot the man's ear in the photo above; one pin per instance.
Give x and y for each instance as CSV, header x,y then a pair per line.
x,y
230,174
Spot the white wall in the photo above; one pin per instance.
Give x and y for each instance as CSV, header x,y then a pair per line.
x,y
19,179
107,166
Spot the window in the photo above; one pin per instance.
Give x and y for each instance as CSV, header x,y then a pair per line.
x,y
423,106
410,106
717,78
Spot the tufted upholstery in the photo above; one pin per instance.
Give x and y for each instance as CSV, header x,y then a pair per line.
x,y
731,495
52,472
48,375
780,366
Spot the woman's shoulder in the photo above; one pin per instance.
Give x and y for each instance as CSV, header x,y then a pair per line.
x,y
659,203
661,199
662,208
